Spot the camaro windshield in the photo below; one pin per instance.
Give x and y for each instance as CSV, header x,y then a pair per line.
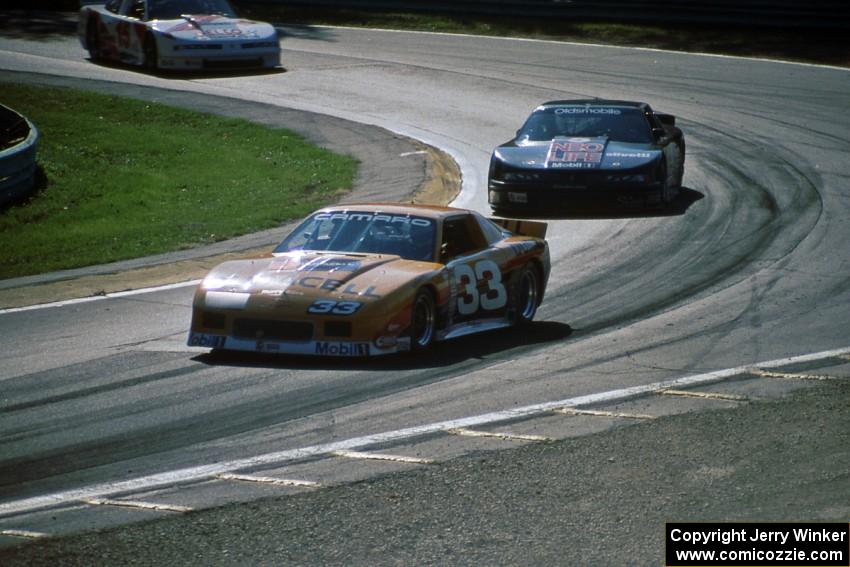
x,y
173,9
622,124
408,236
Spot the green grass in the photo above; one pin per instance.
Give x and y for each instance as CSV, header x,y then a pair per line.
x,y
124,178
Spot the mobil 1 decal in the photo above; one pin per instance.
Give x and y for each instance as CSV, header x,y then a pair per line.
x,y
575,153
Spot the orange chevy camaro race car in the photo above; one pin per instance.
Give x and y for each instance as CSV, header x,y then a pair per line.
x,y
371,279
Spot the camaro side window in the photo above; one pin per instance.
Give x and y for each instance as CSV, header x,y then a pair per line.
x,y
460,236
491,232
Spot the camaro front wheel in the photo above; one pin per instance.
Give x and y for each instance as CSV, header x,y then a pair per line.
x,y
527,295
423,322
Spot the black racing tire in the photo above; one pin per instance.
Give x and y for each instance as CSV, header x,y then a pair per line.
x,y
423,323
151,54
681,177
93,40
669,192
527,295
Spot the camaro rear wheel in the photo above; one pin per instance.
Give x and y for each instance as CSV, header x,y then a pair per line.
x,y
527,295
423,323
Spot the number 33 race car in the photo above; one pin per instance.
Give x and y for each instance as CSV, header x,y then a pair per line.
x,y
176,34
362,280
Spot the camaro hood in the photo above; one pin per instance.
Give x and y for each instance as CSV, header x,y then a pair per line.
x,y
312,275
192,27
576,153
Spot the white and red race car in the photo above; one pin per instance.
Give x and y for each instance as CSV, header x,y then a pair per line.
x,y
177,35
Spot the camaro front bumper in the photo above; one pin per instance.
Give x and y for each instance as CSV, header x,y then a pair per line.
x,y
305,348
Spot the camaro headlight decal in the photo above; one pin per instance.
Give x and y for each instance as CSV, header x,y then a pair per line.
x,y
226,300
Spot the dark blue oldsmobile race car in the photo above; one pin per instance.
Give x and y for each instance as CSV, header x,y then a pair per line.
x,y
604,151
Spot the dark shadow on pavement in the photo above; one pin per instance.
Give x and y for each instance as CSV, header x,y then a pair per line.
x,y
187,75
305,31
438,356
599,210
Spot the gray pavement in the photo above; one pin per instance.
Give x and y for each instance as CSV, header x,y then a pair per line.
x,y
598,499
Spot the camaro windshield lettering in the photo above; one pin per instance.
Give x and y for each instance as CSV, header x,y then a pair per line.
x,y
392,219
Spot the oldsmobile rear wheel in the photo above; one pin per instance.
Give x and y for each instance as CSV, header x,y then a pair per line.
x,y
527,295
669,192
423,322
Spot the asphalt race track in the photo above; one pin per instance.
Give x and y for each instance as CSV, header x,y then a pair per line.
x,y
103,402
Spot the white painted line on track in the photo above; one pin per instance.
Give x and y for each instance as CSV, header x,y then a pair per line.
x,y
138,505
113,295
269,480
463,432
602,413
793,375
704,395
382,457
27,534
203,472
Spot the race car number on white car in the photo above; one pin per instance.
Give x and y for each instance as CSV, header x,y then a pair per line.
x,y
177,35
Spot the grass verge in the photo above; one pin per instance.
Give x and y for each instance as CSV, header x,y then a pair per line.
x,y
122,178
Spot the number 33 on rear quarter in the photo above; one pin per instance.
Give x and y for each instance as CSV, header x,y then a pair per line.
x,y
467,279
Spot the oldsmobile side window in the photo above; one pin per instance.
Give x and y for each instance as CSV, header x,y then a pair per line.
x,y
113,6
461,236
654,124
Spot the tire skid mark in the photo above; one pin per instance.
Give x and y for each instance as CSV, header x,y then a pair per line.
x,y
203,472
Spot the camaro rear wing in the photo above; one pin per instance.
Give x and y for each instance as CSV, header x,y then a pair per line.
x,y
523,227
